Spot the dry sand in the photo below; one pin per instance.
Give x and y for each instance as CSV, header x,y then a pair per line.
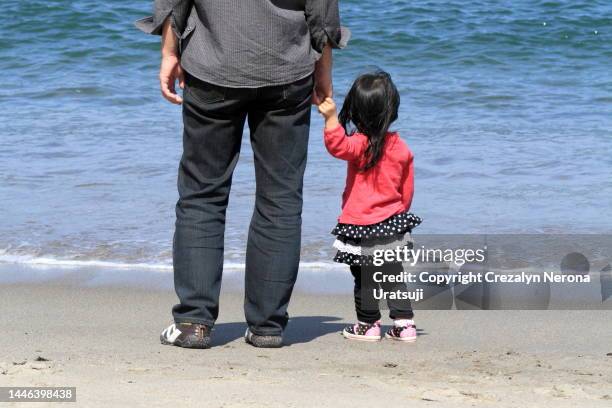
x,y
105,342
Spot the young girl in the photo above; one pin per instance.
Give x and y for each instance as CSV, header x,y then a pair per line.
x,y
375,203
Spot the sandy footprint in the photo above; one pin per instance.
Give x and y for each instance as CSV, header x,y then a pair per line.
x,y
453,394
26,367
569,391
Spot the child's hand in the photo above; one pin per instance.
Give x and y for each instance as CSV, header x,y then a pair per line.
x,y
327,108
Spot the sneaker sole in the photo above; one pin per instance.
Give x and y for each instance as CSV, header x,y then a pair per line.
x,y
263,341
361,338
204,344
405,339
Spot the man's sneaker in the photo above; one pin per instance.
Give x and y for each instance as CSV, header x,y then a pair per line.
x,y
188,335
263,341
363,331
405,333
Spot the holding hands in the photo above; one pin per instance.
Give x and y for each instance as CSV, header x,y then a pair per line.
x,y
327,108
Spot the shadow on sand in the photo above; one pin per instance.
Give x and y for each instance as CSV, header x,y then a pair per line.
x,y
301,329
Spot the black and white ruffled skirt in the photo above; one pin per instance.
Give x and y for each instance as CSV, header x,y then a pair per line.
x,y
356,243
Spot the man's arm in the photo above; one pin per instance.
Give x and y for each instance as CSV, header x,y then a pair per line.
x,y
170,70
169,20
178,10
323,18
323,87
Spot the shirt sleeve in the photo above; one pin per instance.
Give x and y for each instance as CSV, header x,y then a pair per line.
x,y
178,9
408,183
341,146
323,18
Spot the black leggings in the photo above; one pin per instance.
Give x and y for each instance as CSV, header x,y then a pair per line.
x,y
366,305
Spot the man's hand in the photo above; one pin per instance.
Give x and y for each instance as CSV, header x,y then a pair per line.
x,y
170,71
323,77
327,108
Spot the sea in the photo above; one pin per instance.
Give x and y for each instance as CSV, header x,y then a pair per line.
x,y
506,105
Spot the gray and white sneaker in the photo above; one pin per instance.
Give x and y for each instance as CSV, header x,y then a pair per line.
x,y
187,335
263,341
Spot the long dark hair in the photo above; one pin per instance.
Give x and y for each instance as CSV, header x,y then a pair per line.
x,y
371,106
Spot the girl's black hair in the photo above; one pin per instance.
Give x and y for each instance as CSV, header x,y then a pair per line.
x,y
371,106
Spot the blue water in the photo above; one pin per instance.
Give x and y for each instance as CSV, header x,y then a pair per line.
x,y
507,106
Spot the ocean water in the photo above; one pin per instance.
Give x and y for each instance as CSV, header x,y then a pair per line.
x,y
507,106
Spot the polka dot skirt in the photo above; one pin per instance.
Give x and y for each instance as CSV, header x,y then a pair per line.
x,y
396,225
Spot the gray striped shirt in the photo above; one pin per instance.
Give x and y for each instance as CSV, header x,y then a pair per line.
x,y
249,43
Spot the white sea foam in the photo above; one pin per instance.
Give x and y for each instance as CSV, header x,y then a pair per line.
x,y
51,262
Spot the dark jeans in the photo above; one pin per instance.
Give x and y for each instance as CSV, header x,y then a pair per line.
x,y
366,305
279,123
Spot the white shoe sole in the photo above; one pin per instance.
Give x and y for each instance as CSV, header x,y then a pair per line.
x,y
405,339
360,338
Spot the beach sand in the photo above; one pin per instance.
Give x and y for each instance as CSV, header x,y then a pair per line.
x,y
104,341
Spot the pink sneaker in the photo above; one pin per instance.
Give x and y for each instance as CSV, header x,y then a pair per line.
x,y
363,332
406,333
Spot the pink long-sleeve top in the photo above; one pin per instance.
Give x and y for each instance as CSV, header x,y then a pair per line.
x,y
376,194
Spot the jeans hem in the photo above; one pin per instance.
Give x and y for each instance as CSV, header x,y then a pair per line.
x,y
398,316
370,320
260,333
193,320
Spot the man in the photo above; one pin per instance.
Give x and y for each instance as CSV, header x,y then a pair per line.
x,y
261,61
